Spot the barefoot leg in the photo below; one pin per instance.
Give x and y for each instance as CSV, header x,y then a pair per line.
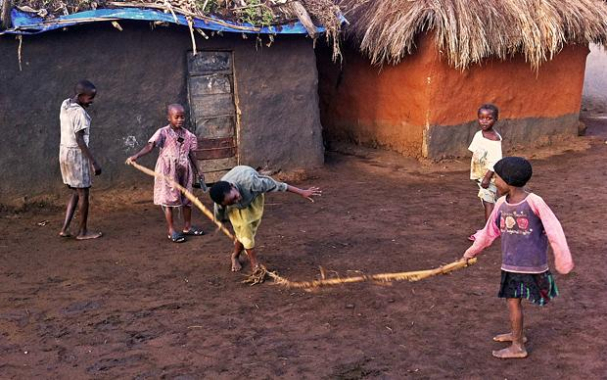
x,y
187,218
488,209
517,349
511,352
69,213
83,208
238,247
507,337
89,235
252,259
168,216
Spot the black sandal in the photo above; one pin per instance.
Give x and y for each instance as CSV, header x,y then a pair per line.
x,y
194,231
176,237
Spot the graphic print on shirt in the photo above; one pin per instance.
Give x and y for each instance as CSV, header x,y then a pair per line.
x,y
515,223
479,162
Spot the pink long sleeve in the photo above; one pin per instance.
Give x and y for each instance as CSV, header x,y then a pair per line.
x,y
554,231
487,235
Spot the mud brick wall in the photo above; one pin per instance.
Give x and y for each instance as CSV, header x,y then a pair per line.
x,y
138,72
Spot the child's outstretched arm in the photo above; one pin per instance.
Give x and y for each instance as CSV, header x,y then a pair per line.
x,y
146,149
307,193
487,235
554,231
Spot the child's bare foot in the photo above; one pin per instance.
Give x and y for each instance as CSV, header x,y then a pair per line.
x,y
506,338
236,265
512,352
65,234
89,235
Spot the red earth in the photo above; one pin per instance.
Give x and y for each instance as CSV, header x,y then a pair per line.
x,y
134,305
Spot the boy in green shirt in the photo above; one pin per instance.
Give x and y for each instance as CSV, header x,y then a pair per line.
x,y
239,197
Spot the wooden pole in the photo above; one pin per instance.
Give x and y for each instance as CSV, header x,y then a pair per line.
x,y
304,17
5,16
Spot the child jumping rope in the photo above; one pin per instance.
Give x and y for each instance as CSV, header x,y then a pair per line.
x,y
526,226
486,148
175,161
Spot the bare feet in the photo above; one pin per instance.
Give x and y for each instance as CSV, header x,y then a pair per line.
x,y
512,352
236,265
65,234
89,235
506,338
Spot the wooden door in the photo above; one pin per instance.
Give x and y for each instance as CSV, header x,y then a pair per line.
x,y
213,112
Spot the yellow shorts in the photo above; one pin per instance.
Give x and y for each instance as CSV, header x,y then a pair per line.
x,y
246,221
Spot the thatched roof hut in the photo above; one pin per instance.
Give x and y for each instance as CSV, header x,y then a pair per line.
x,y
467,31
425,60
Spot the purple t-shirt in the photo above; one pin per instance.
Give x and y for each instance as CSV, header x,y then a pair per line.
x,y
524,241
526,229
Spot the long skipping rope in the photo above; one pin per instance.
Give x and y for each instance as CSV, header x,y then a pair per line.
x,y
260,275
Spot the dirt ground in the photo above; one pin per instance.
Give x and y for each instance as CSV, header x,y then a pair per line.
x,y
134,305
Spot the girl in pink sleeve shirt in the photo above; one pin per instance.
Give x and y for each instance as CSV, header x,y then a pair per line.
x,y
526,226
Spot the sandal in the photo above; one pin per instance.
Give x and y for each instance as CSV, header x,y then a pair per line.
x,y
176,237
194,231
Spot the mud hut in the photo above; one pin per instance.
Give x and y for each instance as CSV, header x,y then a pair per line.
x,y
247,74
415,71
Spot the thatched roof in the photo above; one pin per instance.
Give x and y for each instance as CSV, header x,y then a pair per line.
x,y
467,31
250,13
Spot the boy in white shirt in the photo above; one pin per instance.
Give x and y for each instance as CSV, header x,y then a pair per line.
x,y
75,158
486,148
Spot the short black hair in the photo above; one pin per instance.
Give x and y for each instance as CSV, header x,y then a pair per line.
x,y
175,106
219,191
515,171
84,87
490,107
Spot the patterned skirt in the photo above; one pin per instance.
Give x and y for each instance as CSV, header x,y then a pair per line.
x,y
538,288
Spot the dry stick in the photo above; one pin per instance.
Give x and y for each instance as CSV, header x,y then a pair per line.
x,y
187,194
191,27
384,277
186,13
258,277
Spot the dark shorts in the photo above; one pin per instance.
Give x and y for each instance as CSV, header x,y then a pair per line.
x,y
538,288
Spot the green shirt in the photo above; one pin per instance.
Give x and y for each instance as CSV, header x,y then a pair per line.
x,y
250,184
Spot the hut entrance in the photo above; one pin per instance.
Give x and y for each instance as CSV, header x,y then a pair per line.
x,y
213,112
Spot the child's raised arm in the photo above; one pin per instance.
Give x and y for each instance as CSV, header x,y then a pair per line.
x,y
487,235
554,231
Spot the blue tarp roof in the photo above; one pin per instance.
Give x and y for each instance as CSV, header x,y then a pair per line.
x,y
28,23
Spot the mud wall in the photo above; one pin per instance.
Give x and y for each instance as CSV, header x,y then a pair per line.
x,y
138,72
594,100
424,107
375,106
535,105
